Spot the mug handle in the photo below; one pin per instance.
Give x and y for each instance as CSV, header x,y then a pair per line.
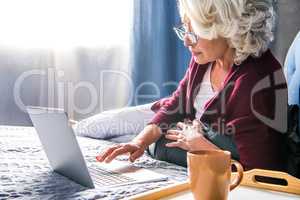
x,y
239,176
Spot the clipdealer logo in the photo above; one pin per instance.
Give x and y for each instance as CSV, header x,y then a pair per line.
x,y
276,82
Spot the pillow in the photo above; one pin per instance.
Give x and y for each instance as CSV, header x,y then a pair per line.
x,y
292,69
114,123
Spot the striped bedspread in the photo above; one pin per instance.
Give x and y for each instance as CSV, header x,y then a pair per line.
x,y
26,174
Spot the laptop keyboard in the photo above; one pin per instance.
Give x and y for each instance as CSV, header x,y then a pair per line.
x,y
104,177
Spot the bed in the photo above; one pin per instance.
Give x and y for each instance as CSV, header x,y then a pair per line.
x,y
26,174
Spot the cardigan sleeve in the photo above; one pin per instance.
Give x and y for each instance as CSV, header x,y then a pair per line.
x,y
258,140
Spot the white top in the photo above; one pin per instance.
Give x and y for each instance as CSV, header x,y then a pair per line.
x,y
205,93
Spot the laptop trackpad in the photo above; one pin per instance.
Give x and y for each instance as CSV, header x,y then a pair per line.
x,y
126,168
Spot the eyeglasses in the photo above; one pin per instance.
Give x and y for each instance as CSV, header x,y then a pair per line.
x,y
181,32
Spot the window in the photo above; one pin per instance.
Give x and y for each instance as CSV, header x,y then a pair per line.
x,y
64,23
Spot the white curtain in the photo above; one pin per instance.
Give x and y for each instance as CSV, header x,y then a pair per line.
x,y
68,54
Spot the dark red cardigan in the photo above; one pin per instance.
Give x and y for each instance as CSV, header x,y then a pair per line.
x,y
245,107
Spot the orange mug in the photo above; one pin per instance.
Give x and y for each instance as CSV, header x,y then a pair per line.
x,y
210,174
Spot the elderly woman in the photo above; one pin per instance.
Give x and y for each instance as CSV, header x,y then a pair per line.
x,y
227,98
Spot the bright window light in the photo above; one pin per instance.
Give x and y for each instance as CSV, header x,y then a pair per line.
x,y
64,23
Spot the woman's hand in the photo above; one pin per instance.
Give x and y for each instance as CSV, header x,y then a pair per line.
x,y
135,150
189,138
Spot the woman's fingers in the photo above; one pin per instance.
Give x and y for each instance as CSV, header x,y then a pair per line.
x,y
181,125
174,144
123,148
179,143
173,137
115,153
107,152
135,155
174,132
185,125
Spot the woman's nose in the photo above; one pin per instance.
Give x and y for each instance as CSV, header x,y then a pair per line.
x,y
187,41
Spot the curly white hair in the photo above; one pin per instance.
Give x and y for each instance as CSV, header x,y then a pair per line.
x,y
246,24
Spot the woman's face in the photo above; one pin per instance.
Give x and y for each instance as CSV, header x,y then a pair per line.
x,y
204,50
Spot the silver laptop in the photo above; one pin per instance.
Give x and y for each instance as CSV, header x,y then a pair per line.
x,y
65,157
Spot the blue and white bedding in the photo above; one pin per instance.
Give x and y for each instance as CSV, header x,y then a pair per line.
x,y
26,174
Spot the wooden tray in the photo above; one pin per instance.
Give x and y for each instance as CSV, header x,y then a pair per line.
x,y
250,187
